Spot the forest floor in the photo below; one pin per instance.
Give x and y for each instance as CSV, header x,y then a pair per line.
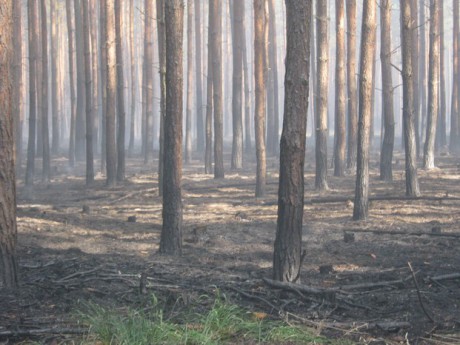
x,y
393,279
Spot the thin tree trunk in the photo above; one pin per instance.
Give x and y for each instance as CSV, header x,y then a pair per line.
x,y
433,86
422,89
288,243
366,75
454,123
442,135
386,157
32,7
352,85
237,92
111,145
247,92
121,115
103,48
80,120
162,57
95,74
44,95
188,118
260,63
18,86
148,81
412,186
209,101
8,229
133,77
216,47
54,79
171,233
415,76
200,132
321,96
340,91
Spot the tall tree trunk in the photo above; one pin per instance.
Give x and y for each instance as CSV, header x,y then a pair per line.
x,y
162,57
148,81
352,85
95,74
18,86
121,115
415,76
132,44
433,86
54,79
272,85
111,145
366,75
454,113
216,46
200,133
103,48
321,96
44,95
412,186
8,230
237,92
171,233
442,135
88,95
188,118
386,157
247,92
422,89
80,120
260,63
209,99
288,243
32,10
340,91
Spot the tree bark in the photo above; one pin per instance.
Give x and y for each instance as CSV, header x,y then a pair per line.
x,y
454,113
171,233
148,81
260,63
412,186
288,243
190,82
321,96
121,114
352,85
433,86
366,76
340,91
80,59
215,11
111,145
8,230
237,92
18,85
386,157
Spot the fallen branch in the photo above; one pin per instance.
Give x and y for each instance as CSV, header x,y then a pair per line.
x,y
371,285
28,332
445,277
407,233
419,294
78,274
328,294
130,195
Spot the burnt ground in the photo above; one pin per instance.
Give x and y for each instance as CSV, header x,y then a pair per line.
x,y
76,246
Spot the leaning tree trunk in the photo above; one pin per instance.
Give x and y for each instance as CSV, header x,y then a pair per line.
x,y
215,12
412,187
366,76
121,113
288,243
352,85
321,96
340,91
260,51
111,145
171,233
433,87
386,157
237,92
32,10
8,230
